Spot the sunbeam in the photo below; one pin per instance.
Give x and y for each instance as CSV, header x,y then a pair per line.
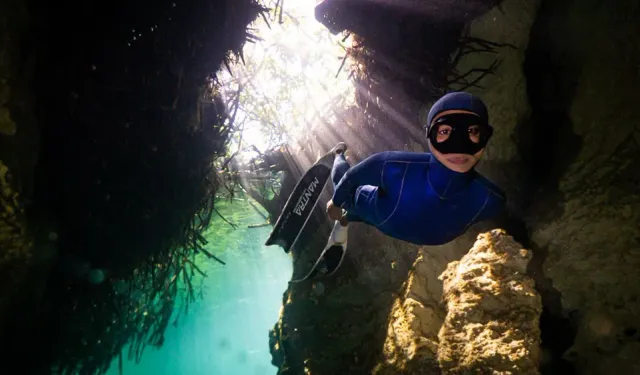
x,y
291,84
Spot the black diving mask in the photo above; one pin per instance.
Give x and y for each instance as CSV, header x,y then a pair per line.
x,y
465,134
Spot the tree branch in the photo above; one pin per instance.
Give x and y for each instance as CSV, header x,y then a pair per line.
x,y
225,220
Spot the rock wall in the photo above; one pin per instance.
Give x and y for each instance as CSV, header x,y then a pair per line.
x,y
564,105
493,310
338,324
585,217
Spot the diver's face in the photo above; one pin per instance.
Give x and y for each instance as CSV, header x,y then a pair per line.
x,y
458,162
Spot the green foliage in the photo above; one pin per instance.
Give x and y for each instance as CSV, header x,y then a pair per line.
x,y
288,79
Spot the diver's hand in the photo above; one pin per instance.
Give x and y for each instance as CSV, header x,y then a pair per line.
x,y
334,212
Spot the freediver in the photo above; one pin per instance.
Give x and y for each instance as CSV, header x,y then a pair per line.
x,y
425,198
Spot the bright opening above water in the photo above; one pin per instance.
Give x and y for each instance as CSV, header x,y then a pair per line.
x,y
289,79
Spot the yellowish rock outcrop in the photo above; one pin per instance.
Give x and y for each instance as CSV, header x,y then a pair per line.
x,y
493,311
412,340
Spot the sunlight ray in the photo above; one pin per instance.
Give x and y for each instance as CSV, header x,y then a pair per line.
x,y
389,110
289,81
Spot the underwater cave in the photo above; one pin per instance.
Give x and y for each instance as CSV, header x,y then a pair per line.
x,y
148,149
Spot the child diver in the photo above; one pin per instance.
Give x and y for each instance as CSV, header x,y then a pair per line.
x,y
422,198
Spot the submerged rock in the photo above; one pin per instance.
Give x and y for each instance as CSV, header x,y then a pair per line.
x,y
493,311
411,345
490,323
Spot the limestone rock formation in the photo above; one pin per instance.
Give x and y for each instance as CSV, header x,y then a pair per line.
x,y
493,310
411,345
490,324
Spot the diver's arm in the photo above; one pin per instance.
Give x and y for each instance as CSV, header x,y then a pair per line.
x,y
496,203
499,214
367,172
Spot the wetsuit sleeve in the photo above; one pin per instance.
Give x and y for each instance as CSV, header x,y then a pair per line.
x,y
367,172
497,207
496,201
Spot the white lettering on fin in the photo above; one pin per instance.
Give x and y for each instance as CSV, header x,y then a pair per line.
x,y
306,195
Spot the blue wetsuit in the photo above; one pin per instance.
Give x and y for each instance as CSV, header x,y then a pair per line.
x,y
413,197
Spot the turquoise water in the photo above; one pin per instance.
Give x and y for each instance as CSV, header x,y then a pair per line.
x,y
226,332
